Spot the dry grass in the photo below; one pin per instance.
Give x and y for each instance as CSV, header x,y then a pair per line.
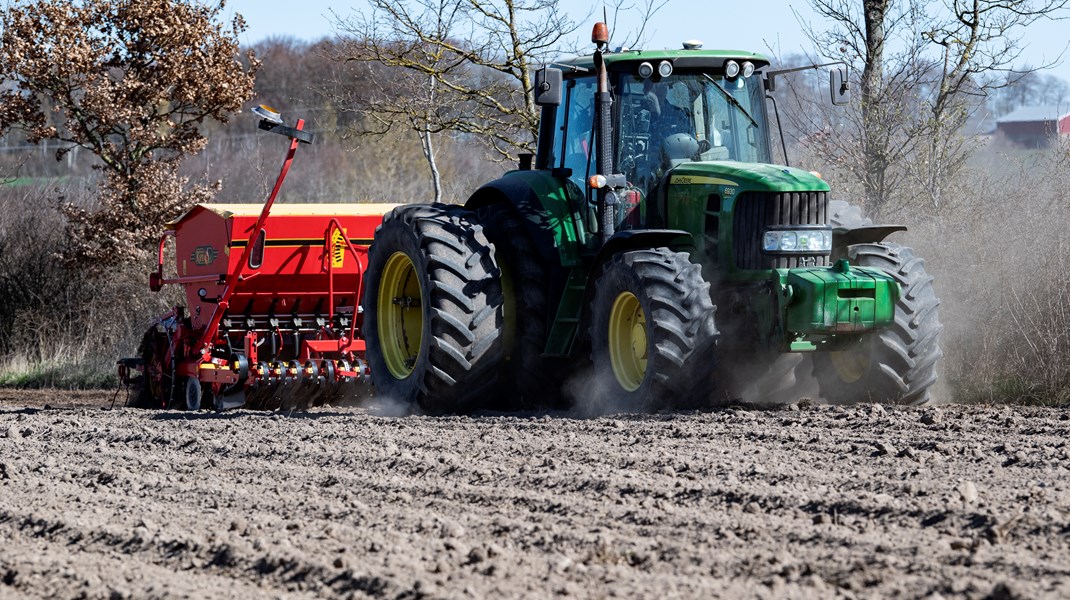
x,y
59,325
999,249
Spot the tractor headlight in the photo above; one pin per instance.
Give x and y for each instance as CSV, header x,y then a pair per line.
x,y
799,241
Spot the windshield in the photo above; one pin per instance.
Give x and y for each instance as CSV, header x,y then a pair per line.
x,y
688,117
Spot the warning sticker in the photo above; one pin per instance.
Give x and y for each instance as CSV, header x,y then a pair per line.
x,y
338,248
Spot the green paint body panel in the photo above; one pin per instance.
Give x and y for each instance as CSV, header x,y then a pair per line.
x,y
557,216
838,300
569,314
634,56
814,307
822,308
749,176
692,184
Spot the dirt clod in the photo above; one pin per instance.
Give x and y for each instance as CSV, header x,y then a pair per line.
x,y
822,502
885,449
968,491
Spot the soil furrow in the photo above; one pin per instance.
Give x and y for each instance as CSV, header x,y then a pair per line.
x,y
802,502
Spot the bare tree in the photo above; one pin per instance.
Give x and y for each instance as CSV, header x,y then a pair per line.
x,y
133,83
459,66
421,85
974,40
646,10
914,102
876,40
1030,89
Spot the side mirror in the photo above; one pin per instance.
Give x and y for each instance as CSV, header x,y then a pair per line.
x,y
838,87
548,87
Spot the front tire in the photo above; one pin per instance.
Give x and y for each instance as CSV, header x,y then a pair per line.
x,y
898,364
653,333
433,309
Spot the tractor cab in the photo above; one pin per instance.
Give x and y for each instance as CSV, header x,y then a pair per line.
x,y
668,109
692,115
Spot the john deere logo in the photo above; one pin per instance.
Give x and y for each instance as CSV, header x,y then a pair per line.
x,y
203,255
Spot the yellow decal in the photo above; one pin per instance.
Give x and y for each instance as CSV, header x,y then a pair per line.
x,y
338,248
698,180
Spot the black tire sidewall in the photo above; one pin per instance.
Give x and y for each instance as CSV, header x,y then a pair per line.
x,y
191,394
458,361
616,280
533,380
876,383
392,237
681,334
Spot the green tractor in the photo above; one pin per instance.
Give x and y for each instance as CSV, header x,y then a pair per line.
x,y
652,198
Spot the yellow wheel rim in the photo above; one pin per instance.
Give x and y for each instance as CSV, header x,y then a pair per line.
x,y
628,341
400,315
850,365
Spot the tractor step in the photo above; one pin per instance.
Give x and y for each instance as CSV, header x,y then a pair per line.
x,y
569,312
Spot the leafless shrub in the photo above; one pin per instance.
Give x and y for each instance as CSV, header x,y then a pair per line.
x,y
53,315
999,250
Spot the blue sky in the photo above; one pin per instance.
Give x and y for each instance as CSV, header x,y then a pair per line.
x,y
758,25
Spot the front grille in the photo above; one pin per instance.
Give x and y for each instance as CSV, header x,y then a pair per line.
x,y
755,211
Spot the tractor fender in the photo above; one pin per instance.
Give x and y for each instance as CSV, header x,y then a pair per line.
x,y
545,204
844,237
849,228
635,239
868,234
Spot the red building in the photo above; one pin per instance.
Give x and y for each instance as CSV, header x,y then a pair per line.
x,y
1035,126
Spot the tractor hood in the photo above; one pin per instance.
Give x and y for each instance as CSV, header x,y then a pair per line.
x,y
747,177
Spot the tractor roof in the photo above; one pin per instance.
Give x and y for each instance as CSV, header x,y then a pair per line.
x,y
679,58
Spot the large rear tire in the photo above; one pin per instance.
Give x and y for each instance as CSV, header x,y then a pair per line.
x,y
531,380
433,309
898,364
653,334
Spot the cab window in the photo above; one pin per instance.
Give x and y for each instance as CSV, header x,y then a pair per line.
x,y
575,128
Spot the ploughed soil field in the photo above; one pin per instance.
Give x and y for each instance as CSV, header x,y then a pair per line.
x,y
802,502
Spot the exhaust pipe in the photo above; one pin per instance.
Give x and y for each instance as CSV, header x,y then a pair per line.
x,y
607,199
